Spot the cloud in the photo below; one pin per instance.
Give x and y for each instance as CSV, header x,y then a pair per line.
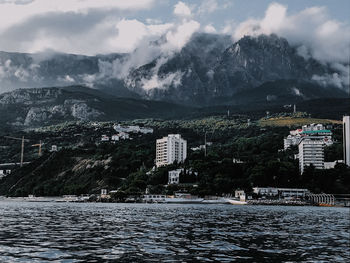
x,y
16,12
16,2
131,32
209,29
210,6
178,37
324,39
182,10
314,34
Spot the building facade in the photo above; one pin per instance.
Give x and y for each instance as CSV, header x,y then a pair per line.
x,y
311,152
170,149
174,176
346,139
295,136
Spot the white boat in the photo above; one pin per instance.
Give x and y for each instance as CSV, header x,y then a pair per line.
x,y
236,202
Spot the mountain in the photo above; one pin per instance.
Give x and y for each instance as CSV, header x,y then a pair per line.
x,y
43,106
209,70
194,76
22,70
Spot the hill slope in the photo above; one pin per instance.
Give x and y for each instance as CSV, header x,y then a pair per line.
x,y
44,106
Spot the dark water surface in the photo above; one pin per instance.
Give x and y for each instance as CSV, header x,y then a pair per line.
x,y
69,232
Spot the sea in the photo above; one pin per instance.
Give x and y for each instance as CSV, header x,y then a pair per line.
x,y
111,232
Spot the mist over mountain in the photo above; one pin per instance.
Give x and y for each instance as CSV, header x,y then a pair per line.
x,y
209,69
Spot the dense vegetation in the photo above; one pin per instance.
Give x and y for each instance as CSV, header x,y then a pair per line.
x,y
85,165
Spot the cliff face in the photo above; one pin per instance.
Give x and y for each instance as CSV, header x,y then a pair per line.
x,y
202,76
40,106
44,106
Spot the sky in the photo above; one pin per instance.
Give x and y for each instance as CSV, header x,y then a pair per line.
x,y
110,26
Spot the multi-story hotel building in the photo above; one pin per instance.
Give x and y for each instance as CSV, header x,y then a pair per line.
x,y
346,139
170,149
311,151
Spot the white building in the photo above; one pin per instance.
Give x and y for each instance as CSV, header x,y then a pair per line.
x,y
346,139
170,149
104,138
295,136
331,165
54,148
115,137
120,136
174,176
265,191
313,127
291,140
311,151
123,136
4,173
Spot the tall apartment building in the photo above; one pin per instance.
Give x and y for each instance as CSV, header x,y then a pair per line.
x,y
319,130
311,151
170,149
346,139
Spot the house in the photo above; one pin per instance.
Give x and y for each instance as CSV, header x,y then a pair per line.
x,y
104,138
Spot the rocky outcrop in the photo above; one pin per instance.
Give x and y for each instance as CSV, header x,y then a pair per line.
x,y
47,105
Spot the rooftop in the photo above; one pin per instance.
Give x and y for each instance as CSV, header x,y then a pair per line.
x,y
317,131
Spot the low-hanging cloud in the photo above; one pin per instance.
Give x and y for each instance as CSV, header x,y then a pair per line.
x,y
98,27
314,33
323,38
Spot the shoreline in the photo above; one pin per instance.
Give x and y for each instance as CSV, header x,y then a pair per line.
x,y
249,202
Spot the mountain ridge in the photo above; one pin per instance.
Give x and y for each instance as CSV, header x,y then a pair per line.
x,y
209,67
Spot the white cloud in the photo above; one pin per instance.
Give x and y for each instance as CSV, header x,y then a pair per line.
x,y
207,6
229,27
325,39
209,29
16,11
131,32
211,6
182,10
178,38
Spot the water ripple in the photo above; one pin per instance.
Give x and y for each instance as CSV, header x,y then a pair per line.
x,y
56,232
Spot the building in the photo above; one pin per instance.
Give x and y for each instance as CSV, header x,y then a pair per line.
x,y
123,136
311,152
170,149
346,139
4,173
291,140
104,138
295,136
331,165
54,148
265,191
174,176
281,192
292,192
115,137
240,194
